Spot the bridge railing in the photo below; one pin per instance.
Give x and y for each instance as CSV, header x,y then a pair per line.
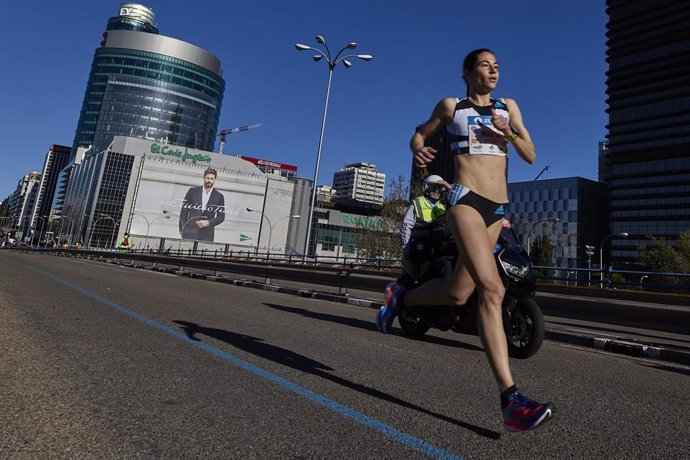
x,y
611,279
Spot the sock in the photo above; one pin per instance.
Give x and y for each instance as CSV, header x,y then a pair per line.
x,y
505,393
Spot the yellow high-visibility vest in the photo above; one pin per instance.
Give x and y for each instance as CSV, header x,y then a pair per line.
x,y
125,243
424,211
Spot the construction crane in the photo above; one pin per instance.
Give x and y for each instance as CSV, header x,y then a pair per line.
x,y
225,132
546,168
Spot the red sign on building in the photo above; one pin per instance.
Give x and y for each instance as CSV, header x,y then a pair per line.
x,y
270,164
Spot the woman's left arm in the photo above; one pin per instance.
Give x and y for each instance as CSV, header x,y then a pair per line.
x,y
523,142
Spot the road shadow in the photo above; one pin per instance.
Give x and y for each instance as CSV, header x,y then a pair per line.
x,y
258,347
352,322
371,326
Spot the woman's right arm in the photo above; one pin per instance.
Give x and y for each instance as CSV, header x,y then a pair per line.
x,y
441,116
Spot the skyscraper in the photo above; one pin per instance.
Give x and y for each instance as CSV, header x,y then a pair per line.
x,y
22,201
56,159
359,184
647,166
149,86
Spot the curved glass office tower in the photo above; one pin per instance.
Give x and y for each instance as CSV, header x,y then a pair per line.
x,y
149,86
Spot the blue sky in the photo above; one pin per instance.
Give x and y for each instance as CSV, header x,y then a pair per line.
x,y
551,54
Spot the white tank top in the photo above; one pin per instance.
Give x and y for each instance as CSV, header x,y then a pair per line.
x,y
471,131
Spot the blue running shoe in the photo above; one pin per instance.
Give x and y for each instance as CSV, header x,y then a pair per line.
x,y
522,414
386,314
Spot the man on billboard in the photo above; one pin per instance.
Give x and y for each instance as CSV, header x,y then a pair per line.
x,y
203,208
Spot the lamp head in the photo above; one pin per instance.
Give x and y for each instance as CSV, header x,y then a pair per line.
x,y
317,57
365,57
347,63
352,45
624,234
320,40
301,47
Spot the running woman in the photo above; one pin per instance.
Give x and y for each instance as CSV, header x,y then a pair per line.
x,y
480,128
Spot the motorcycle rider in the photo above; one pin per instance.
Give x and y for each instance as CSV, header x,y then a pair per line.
x,y
480,128
423,210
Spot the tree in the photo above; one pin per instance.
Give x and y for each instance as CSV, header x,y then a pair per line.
x,y
661,256
380,236
541,254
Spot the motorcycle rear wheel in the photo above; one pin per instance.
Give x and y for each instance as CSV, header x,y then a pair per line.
x,y
411,326
525,329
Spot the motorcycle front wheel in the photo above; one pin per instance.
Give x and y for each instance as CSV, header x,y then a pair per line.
x,y
411,326
525,329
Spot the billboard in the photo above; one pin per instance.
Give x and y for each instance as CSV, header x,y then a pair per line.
x,y
177,200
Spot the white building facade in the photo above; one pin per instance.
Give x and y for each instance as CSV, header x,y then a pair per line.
x,y
359,182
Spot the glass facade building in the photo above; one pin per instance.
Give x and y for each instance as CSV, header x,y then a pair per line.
x,y
647,166
97,196
146,85
577,203
56,159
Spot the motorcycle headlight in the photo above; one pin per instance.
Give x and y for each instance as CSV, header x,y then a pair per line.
x,y
515,270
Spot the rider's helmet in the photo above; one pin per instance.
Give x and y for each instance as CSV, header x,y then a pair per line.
x,y
433,179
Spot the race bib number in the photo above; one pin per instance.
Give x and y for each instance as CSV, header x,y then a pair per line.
x,y
484,139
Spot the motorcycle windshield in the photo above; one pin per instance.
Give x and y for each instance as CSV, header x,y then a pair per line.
x,y
509,240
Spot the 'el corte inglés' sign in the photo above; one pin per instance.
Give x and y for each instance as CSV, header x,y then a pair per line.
x,y
182,155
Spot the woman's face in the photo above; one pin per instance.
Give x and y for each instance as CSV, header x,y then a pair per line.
x,y
484,75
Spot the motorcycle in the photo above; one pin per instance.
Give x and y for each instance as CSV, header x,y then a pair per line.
x,y
434,254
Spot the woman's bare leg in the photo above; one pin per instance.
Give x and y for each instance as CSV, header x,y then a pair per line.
x,y
438,291
476,243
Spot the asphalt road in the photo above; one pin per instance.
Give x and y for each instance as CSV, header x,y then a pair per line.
x,y
103,361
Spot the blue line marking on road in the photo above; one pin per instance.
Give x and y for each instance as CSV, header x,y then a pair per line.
x,y
404,438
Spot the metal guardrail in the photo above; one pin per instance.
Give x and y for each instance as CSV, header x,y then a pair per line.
x,y
345,262
384,268
360,275
613,279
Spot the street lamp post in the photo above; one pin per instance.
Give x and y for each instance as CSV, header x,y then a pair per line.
x,y
61,224
42,228
148,224
188,221
270,230
332,63
601,255
589,250
290,216
644,277
164,216
529,234
112,235
270,227
88,243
